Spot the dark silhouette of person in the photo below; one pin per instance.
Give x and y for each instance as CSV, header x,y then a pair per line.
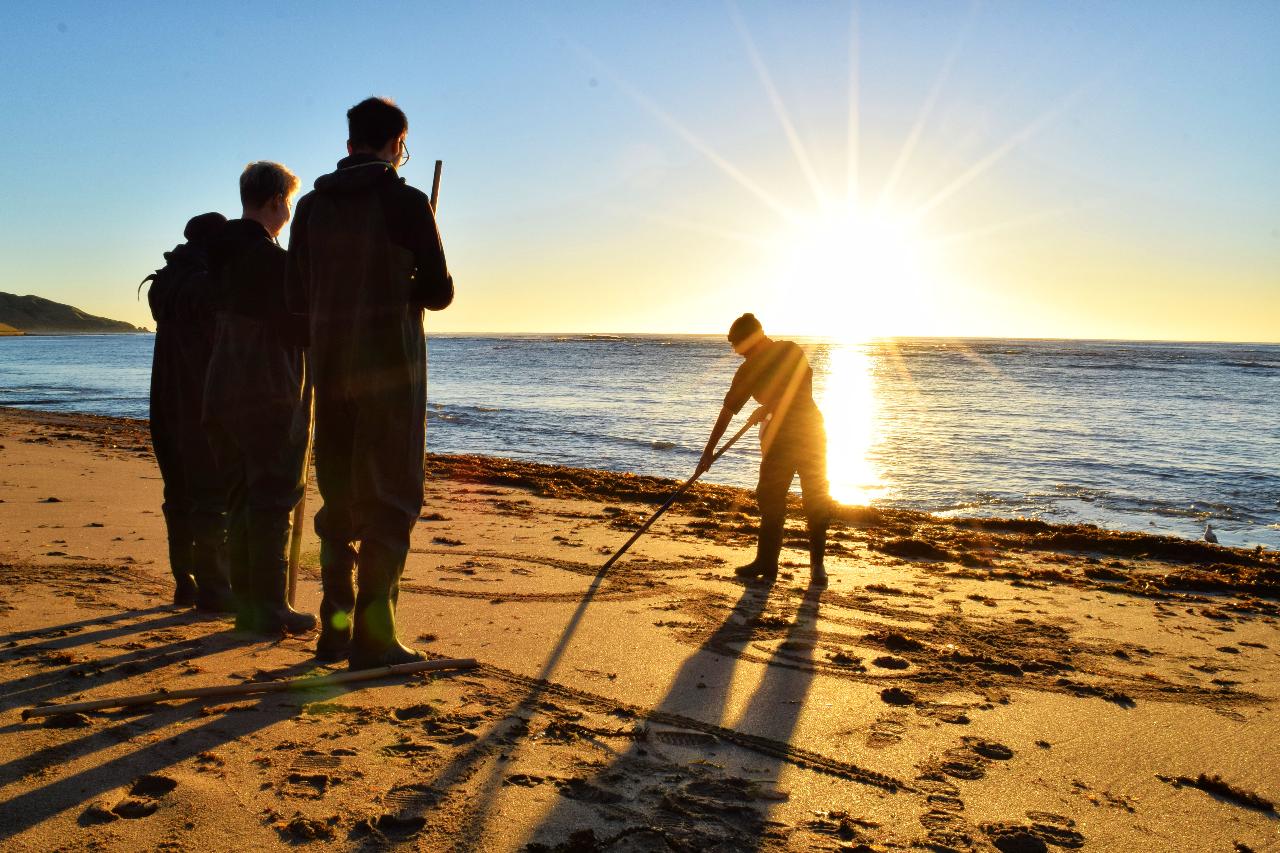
x,y
181,300
257,405
793,441
365,260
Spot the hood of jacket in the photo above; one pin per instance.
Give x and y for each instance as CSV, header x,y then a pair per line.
x,y
204,227
356,173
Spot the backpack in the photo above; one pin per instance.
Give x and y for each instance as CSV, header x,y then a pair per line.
x,y
181,290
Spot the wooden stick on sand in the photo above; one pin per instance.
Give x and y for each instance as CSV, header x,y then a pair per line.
x,y
253,687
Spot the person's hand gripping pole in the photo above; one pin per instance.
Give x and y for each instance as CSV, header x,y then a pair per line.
x,y
709,455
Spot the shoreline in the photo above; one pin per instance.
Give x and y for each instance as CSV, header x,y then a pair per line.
x,y
958,684
552,480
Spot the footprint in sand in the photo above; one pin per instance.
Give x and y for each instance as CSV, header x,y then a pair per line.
x,y
142,801
523,780
301,829
1043,829
970,761
989,749
584,792
152,786
897,696
887,730
414,712
389,828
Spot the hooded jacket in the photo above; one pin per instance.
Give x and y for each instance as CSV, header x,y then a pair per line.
x,y
365,259
182,296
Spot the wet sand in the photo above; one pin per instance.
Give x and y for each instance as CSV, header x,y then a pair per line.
x,y
961,685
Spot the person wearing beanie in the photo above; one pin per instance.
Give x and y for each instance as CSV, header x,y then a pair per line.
x,y
793,441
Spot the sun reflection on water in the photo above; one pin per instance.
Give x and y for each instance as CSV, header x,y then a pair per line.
x,y
848,402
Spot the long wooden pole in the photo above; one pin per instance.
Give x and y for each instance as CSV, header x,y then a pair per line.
x,y
253,687
300,511
678,492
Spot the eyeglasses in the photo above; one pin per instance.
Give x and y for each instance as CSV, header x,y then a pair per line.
x,y
404,155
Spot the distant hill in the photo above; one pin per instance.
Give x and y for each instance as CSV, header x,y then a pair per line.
x,y
34,315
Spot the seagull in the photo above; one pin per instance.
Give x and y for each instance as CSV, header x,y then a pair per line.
x,y
1209,535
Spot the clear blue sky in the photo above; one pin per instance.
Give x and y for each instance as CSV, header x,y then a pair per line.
x,y
1111,169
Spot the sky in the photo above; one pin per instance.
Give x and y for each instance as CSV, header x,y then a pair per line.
x,y
852,170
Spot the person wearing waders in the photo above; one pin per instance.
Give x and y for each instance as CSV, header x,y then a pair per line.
x,y
181,300
793,441
257,404
365,259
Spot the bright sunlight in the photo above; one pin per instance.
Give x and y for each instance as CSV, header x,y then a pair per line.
x,y
852,274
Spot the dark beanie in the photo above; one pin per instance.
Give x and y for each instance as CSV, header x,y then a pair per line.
x,y
744,327
201,228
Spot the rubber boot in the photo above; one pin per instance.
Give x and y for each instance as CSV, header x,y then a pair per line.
x,y
269,565
337,569
210,569
768,547
817,552
373,641
181,544
236,555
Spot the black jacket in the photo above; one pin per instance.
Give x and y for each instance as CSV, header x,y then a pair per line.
x,y
181,297
250,268
404,218
257,356
364,260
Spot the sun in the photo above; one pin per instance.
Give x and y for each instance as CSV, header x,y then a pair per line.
x,y
850,274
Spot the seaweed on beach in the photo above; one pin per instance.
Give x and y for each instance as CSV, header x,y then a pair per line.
x,y
970,541
1220,787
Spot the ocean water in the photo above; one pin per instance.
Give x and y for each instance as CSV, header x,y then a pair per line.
x,y
1137,436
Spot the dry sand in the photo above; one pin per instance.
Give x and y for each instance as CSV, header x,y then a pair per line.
x,y
959,686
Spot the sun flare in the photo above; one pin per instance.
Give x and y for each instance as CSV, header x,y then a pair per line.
x,y
850,274
854,428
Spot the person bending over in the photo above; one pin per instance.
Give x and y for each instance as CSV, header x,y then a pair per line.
x,y
257,404
365,259
793,441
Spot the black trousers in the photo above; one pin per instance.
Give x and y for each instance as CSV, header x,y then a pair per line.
x,y
369,468
194,486
798,448
371,416
257,416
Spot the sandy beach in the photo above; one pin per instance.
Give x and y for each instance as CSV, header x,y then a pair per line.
x,y
961,685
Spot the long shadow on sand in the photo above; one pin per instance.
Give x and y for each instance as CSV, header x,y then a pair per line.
x,y
16,655
137,663
702,688
698,668
779,700
57,632
693,810
77,676
28,809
